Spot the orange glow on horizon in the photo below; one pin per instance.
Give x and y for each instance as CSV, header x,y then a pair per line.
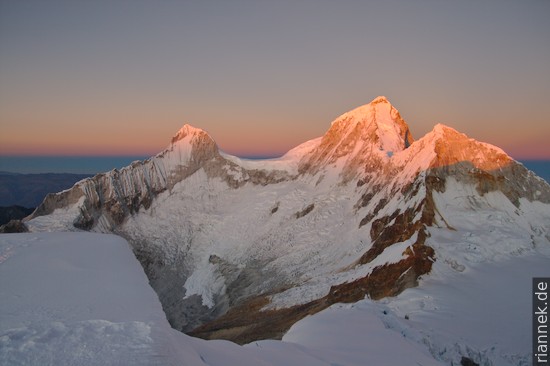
x,y
519,151
144,138
75,150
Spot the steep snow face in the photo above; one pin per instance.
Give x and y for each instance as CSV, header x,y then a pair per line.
x,y
373,132
445,147
452,147
190,147
349,214
392,131
451,153
379,123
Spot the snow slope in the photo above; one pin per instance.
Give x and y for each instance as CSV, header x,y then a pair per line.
x,y
483,313
83,299
80,299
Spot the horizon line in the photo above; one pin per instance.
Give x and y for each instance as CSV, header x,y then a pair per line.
x,y
255,156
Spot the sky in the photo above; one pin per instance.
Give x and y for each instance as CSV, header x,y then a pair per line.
x,y
121,77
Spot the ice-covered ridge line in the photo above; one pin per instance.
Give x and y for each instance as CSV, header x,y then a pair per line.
x,y
289,162
444,146
124,191
349,150
440,130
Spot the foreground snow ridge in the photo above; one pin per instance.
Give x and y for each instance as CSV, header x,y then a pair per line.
x,y
83,299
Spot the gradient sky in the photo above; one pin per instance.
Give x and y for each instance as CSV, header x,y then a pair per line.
x,y
121,77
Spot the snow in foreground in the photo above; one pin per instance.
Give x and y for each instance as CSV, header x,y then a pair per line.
x,y
83,299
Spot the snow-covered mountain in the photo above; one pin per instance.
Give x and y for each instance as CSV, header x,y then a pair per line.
x,y
241,249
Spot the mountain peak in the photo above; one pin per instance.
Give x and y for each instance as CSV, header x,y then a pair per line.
x,y
452,147
187,130
189,144
378,122
380,99
374,130
441,129
367,111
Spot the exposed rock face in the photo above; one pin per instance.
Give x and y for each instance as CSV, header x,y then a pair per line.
x,y
242,249
14,226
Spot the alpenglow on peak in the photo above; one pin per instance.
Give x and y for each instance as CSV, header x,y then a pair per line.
x,y
377,122
187,130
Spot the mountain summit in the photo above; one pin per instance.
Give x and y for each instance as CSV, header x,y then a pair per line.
x,y
370,133
378,122
241,249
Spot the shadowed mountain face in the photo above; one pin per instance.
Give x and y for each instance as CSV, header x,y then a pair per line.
x,y
13,213
241,249
540,167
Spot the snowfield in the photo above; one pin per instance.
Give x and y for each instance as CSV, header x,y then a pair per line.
x,y
83,299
